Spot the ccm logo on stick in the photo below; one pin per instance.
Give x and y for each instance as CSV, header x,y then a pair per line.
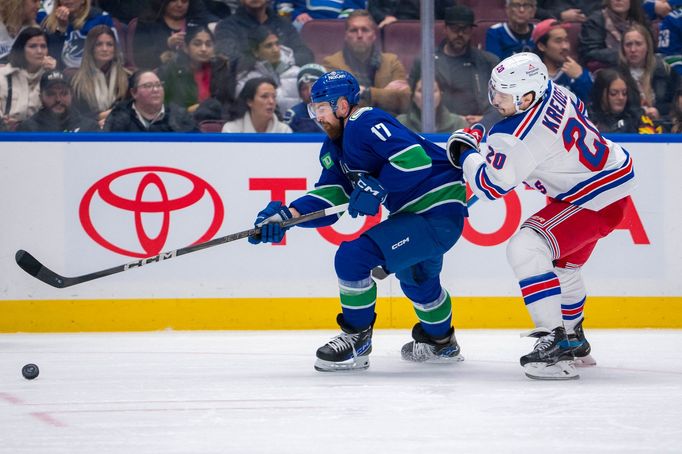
x,y
400,243
156,258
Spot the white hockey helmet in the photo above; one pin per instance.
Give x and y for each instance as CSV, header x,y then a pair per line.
x,y
517,75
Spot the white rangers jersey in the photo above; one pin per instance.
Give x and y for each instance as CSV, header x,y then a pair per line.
x,y
553,148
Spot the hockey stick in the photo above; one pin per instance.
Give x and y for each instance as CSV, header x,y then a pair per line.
x,y
36,269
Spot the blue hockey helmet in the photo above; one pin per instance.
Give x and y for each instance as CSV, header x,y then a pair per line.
x,y
333,85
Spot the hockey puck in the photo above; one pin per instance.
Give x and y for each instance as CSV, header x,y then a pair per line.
x,y
30,371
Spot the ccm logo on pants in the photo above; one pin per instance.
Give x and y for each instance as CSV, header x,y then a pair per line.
x,y
400,243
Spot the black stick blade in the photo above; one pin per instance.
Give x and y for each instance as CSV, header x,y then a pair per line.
x,y
36,269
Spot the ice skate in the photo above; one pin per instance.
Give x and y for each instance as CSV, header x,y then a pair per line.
x,y
425,349
551,358
581,347
347,351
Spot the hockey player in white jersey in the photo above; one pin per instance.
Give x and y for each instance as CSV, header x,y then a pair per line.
x,y
547,143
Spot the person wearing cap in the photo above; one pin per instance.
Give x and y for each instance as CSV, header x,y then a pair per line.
x,y
297,117
57,115
382,77
553,48
507,38
462,69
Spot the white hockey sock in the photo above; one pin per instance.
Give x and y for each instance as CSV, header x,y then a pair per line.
x,y
572,296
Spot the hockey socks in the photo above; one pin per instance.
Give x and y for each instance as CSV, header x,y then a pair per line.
x,y
542,295
358,300
435,316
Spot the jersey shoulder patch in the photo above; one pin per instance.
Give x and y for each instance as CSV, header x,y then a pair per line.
x,y
359,112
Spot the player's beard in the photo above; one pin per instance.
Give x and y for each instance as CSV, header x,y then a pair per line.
x,y
333,130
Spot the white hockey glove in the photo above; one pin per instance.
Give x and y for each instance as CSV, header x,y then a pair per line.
x,y
463,140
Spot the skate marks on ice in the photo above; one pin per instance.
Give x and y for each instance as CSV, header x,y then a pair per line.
x,y
243,392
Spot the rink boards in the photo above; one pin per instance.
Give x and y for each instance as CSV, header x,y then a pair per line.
x,y
99,201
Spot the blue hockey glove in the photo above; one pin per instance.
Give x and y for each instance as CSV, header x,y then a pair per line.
x,y
366,197
462,142
269,221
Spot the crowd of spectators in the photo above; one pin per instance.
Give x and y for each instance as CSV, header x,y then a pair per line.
x,y
171,65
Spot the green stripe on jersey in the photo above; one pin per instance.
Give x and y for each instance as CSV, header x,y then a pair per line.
x,y
333,194
454,192
360,300
435,314
411,159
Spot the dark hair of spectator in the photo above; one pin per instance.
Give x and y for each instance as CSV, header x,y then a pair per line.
x,y
156,10
135,77
257,35
602,81
360,13
544,38
17,55
248,93
194,29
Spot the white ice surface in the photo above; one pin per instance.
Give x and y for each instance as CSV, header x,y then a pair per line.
x,y
257,392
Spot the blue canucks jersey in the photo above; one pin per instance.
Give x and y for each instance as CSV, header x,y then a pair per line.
x,y
501,41
670,39
415,172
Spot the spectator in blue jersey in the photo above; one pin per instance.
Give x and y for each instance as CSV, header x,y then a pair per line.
x,y
297,117
386,12
670,38
302,11
371,161
463,70
601,34
67,26
231,33
507,38
553,47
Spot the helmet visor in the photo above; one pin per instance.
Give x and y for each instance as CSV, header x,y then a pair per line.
x,y
316,109
498,99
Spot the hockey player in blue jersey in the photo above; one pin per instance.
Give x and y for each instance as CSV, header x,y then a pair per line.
x,y
368,160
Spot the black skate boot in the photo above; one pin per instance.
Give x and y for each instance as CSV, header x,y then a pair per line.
x,y
347,351
426,349
581,348
552,356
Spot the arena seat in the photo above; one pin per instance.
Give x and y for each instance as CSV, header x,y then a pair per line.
x,y
478,35
324,37
487,10
129,53
122,34
403,38
211,126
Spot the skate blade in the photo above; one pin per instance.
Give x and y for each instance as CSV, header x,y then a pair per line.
x,y
435,360
585,361
563,370
358,363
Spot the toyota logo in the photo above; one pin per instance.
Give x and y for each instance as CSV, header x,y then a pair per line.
x,y
156,179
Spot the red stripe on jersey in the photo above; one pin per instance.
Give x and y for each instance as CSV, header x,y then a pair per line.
x,y
529,117
595,185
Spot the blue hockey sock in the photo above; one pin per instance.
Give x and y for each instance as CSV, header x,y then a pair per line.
x,y
435,316
358,299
